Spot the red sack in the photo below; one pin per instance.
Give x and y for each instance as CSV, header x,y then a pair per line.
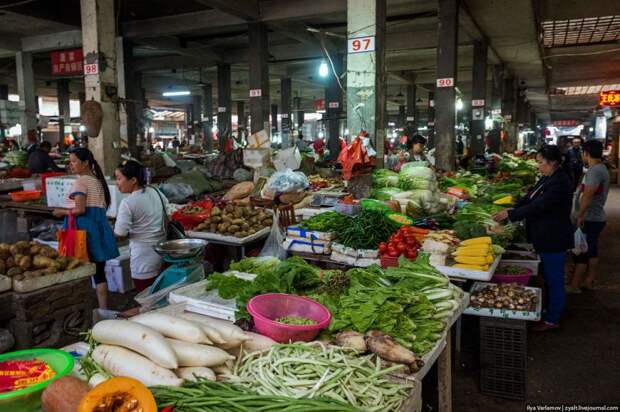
x,y
189,217
72,241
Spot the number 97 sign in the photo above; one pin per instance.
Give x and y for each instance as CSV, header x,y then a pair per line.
x,y
361,44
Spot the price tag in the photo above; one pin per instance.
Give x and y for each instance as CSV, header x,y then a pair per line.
x,y
410,118
431,124
431,103
256,92
477,103
91,68
361,44
445,82
334,105
221,110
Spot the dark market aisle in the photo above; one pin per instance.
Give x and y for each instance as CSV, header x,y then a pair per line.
x,y
577,364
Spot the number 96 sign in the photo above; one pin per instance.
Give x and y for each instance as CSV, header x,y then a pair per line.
x,y
361,44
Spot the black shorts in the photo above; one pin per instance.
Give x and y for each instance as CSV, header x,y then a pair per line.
x,y
99,276
592,231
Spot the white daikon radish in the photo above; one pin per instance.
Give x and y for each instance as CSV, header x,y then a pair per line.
x,y
96,379
232,334
139,338
173,327
222,370
257,342
212,333
193,354
192,374
123,362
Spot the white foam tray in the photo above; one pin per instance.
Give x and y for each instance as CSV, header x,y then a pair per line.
x,y
506,313
461,273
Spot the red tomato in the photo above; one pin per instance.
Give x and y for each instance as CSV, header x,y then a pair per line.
x,y
382,247
411,254
393,252
401,246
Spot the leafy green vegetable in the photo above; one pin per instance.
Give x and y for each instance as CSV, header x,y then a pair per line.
x,y
296,321
385,193
326,222
384,178
256,265
367,230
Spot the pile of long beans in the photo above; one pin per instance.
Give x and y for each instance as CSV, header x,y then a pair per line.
x,y
208,396
302,370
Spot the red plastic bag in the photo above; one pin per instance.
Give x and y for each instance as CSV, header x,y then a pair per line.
x,y
189,217
353,155
72,241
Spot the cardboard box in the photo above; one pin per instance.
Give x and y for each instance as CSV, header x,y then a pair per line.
x,y
57,193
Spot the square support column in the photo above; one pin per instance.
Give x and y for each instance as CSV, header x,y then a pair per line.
x,y
207,116
259,77
26,91
64,109
285,102
333,107
134,106
366,83
445,94
299,113
479,93
99,45
197,116
274,118
411,118
241,114
224,112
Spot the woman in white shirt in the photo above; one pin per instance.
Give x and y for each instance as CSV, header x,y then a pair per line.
x,y
141,218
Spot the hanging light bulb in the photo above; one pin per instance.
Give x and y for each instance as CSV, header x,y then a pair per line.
x,y
323,69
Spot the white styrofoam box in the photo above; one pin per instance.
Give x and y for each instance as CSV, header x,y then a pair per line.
x,y
57,193
124,255
461,273
118,277
297,244
287,159
309,234
256,158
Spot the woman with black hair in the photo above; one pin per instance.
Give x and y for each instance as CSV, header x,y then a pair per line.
x,y
546,210
141,218
92,197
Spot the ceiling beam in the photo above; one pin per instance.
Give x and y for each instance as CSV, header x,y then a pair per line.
x,y
180,23
56,41
244,9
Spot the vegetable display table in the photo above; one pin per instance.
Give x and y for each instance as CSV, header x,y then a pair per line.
x,y
232,241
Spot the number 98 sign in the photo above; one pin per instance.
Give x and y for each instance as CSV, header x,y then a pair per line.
x,y
361,44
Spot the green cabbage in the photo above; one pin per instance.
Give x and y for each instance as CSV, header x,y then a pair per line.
x,y
385,193
384,178
415,177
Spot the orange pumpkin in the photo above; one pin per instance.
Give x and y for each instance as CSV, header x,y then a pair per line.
x,y
118,394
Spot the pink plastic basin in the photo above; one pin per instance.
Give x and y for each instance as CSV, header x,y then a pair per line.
x,y
270,306
500,277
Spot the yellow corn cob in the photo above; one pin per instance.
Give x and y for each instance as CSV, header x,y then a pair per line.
x,y
485,240
490,258
475,248
472,267
471,260
471,252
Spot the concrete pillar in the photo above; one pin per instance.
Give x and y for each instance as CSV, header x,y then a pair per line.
x,y
133,108
274,118
64,109
431,119
509,112
207,113
299,113
479,93
366,82
98,28
196,117
25,89
411,115
259,77
401,119
285,103
241,114
498,85
333,107
121,77
445,93
4,92
189,122
224,112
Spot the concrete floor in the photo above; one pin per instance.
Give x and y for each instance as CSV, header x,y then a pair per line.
x,y
577,364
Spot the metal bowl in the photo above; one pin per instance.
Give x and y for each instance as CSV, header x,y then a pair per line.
x,y
180,248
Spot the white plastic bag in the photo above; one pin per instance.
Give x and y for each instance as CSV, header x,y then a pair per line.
x,y
581,242
273,244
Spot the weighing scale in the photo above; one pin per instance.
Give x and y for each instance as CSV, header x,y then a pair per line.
x,y
185,258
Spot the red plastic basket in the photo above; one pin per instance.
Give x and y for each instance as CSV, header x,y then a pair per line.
x,y
388,261
25,195
270,306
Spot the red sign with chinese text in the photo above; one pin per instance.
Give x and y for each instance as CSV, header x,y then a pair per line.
x,y
609,98
319,105
565,123
67,62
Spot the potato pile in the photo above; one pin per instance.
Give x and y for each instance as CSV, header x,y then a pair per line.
x,y
31,259
236,220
